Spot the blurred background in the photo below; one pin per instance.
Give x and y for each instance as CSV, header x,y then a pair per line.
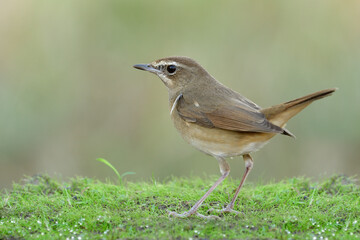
x,y
69,94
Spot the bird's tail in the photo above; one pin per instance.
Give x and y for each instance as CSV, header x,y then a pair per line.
x,y
280,114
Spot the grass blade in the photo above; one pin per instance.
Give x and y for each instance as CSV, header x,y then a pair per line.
x,y
110,166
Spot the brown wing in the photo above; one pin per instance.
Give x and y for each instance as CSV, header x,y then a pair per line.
x,y
231,114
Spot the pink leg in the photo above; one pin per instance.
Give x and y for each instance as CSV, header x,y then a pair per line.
x,y
248,166
225,170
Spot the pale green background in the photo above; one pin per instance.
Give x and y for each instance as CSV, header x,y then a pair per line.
x,y
69,94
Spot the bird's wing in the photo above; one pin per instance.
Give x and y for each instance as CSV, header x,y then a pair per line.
x,y
231,114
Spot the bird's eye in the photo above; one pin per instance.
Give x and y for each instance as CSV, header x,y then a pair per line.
x,y
171,69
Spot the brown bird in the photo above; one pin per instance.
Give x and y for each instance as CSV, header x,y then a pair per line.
x,y
219,121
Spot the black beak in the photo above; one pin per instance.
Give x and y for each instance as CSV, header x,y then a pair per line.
x,y
147,67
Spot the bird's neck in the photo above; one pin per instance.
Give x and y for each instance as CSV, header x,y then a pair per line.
x,y
173,94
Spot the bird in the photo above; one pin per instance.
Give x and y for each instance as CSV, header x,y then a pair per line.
x,y
219,121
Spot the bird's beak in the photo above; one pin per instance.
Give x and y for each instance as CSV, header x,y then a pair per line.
x,y
147,67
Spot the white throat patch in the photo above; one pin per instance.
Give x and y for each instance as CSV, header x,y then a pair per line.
x,y
168,82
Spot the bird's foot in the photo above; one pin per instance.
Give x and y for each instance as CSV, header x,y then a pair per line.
x,y
209,217
189,213
180,215
226,209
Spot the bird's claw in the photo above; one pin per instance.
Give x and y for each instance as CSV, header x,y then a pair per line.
x,y
188,214
178,215
209,217
226,209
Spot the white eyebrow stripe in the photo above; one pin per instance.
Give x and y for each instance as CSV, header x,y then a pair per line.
x,y
166,63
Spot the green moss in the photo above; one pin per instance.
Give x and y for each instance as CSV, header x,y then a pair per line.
x,y
84,208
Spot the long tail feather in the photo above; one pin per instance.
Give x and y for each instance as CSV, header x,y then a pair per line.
x,y
280,114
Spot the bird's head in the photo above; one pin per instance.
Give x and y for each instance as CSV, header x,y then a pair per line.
x,y
176,72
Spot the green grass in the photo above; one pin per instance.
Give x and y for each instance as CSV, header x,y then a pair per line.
x,y
83,208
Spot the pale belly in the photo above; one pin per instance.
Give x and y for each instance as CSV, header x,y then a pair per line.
x,y
225,149
219,142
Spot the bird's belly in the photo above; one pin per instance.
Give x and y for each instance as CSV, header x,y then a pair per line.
x,y
219,142
225,149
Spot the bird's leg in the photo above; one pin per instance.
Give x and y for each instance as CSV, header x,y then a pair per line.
x,y
248,166
225,170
